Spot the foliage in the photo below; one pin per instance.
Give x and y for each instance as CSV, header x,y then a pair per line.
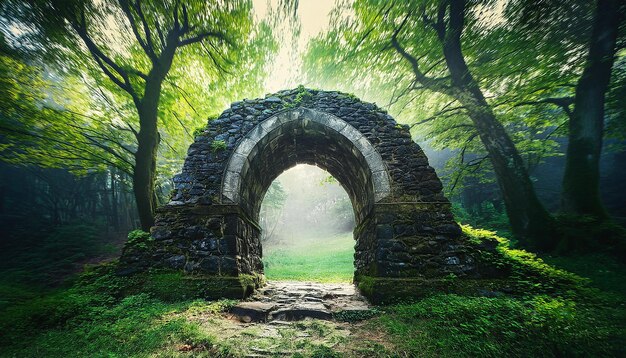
x,y
218,145
49,255
198,131
133,326
528,69
484,215
583,234
139,239
98,316
604,272
302,95
138,236
73,116
451,325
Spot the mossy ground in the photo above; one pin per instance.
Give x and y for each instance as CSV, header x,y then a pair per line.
x,y
101,316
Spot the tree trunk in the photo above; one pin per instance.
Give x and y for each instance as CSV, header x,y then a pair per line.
x,y
530,222
581,191
144,175
115,217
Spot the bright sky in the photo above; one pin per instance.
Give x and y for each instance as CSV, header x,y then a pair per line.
x,y
313,16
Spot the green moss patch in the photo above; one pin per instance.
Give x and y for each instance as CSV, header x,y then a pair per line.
x,y
524,271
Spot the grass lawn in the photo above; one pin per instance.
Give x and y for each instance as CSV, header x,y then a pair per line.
x,y
328,259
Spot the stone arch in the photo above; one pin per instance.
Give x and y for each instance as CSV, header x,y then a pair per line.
x,y
336,146
405,234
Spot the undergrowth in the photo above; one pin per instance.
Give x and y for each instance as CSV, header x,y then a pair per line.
x,y
573,316
524,271
535,326
95,318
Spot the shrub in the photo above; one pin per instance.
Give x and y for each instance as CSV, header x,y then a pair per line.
x,y
526,272
139,239
218,145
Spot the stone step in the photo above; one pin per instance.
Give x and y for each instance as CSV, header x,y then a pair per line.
x,y
301,311
292,301
253,311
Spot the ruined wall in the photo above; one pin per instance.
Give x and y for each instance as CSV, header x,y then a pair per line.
x,y
404,225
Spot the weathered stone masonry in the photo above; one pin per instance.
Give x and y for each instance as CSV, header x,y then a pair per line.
x,y
405,230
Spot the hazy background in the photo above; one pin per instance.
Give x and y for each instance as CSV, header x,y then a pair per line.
x,y
307,222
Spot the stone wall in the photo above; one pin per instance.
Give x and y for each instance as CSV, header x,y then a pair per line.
x,y
404,225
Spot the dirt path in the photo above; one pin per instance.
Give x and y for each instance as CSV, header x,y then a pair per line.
x,y
299,319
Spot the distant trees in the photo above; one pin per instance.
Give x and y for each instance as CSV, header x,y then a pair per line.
x,y
305,202
33,197
272,209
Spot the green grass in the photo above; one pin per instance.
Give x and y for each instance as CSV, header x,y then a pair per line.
x,y
137,326
534,326
94,319
329,259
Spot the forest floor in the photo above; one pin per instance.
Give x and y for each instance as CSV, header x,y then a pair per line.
x,y
91,319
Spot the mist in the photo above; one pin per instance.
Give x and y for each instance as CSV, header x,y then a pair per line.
x,y
307,221
305,202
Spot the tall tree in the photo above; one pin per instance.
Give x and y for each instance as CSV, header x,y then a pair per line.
x,y
430,38
581,191
141,66
528,217
593,28
159,40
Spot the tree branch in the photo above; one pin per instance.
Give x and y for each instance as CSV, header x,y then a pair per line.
x,y
440,113
183,93
202,36
145,45
102,60
434,84
146,29
563,102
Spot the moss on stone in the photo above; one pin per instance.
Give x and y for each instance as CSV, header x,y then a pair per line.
x,y
302,95
172,286
526,272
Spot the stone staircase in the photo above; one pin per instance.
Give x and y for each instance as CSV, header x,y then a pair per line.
x,y
292,301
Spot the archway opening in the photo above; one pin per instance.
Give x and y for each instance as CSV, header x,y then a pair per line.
x,y
303,136
307,222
